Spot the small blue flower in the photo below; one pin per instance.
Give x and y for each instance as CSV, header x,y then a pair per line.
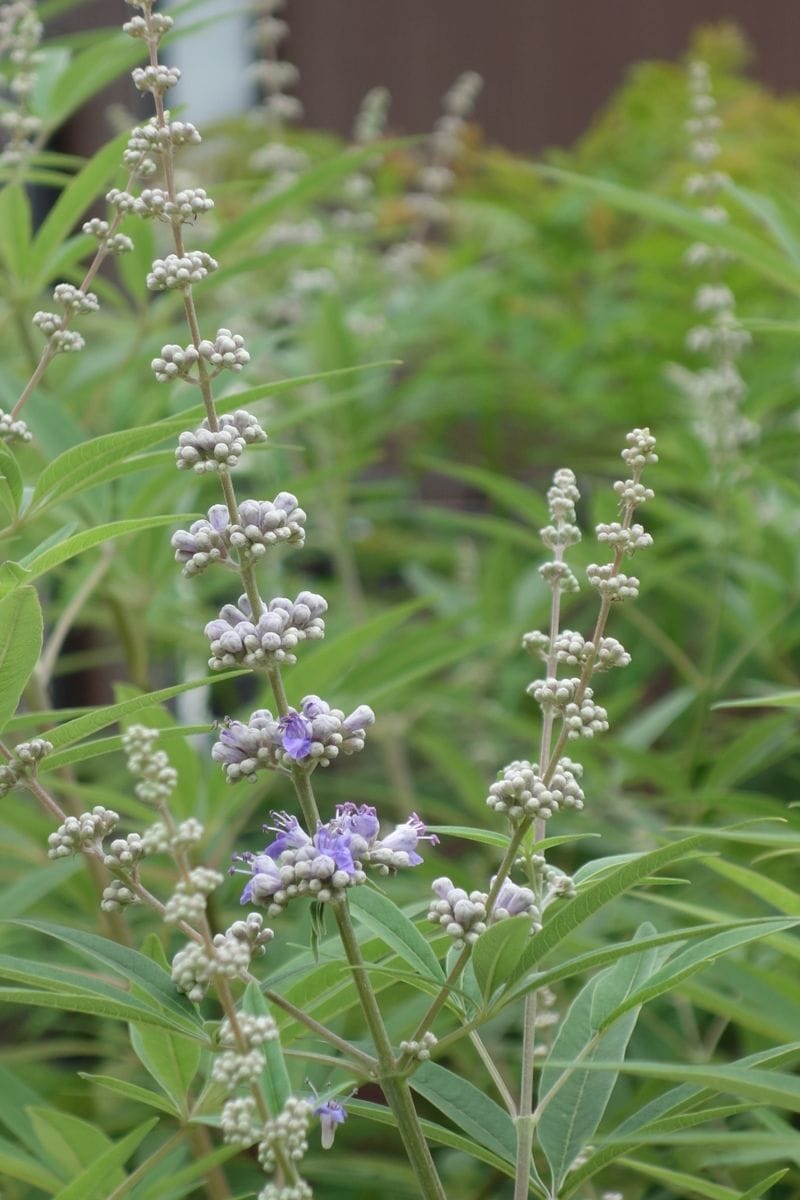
x,y
291,835
296,735
331,1113
336,845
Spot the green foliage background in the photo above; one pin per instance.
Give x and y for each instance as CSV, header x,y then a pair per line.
x,y
537,335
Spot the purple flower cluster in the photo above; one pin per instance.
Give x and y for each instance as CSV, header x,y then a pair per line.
x,y
261,523
314,736
325,864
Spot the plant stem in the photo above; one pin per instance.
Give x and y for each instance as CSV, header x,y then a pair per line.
x,y
395,1088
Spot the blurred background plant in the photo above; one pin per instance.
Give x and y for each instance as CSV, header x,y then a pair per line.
x,y
519,320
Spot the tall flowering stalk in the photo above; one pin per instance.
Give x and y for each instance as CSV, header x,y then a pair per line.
x,y
715,392
322,860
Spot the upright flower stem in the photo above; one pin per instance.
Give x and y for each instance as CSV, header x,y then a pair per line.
x,y
394,1086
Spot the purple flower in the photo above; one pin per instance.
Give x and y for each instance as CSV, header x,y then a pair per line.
x,y
265,878
297,735
404,838
291,835
358,819
336,845
513,900
331,1113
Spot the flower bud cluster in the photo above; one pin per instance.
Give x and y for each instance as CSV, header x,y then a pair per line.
x,y
116,243
158,79
236,639
151,139
160,24
204,543
180,271
515,901
463,915
226,352
232,1069
77,833
73,300
420,1050
124,853
240,1122
612,584
193,968
62,341
255,1030
264,523
188,901
315,736
157,779
574,650
188,204
118,895
557,883
520,791
23,763
12,429
287,1191
561,532
218,449
714,393
289,1131
20,34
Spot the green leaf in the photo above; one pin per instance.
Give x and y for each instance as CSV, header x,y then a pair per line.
x,y
20,644
168,739
385,919
94,1182
152,981
764,1187
131,1091
315,181
759,254
331,662
577,1099
125,1009
682,1183
16,1097
67,1142
71,205
468,1108
11,486
773,700
435,1133
275,1081
695,958
604,955
497,951
170,1059
524,502
17,897
16,1164
15,228
594,896
101,718
38,563
89,71
488,837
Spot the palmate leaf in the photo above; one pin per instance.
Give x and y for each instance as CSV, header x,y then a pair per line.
x,y
575,1098
20,645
